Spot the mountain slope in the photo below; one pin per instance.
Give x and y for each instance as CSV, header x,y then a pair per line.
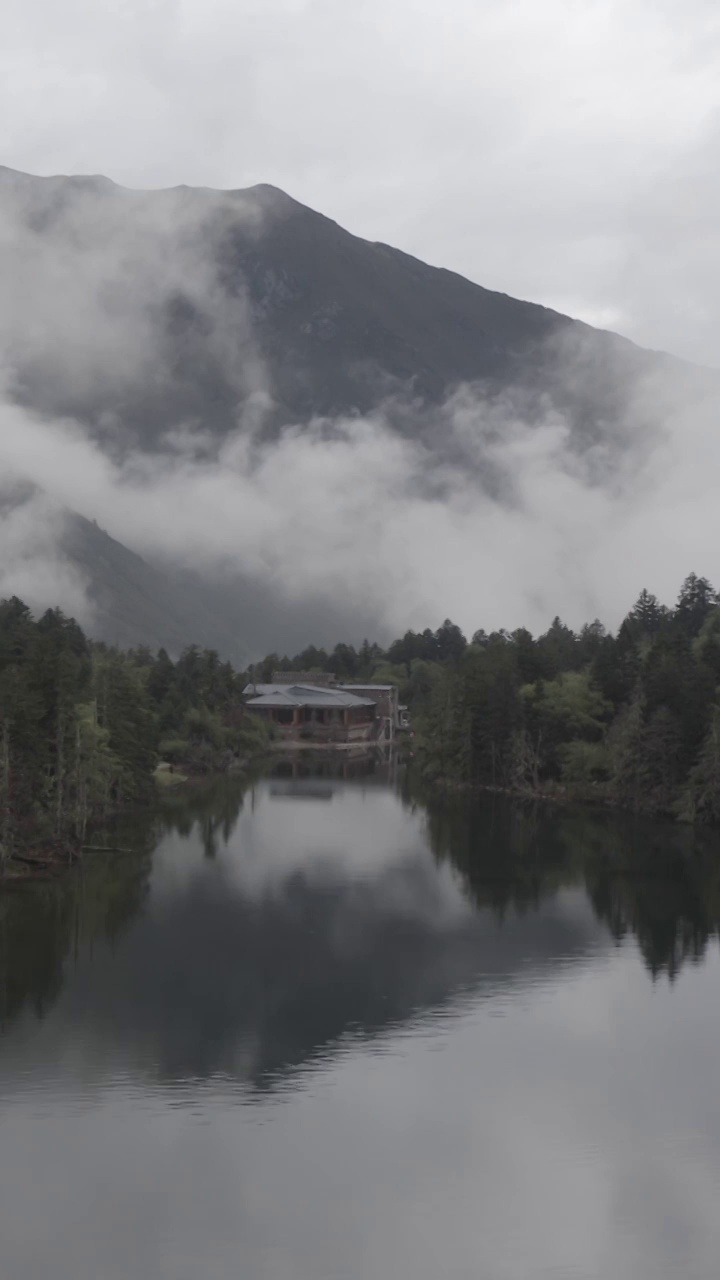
x,y
167,322
188,303
136,602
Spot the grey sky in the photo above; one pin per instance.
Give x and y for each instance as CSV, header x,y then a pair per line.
x,y
560,151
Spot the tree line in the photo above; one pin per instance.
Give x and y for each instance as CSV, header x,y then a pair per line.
x,y
632,717
83,726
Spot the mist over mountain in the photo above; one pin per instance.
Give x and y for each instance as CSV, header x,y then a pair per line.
x,y
135,602
243,425
145,310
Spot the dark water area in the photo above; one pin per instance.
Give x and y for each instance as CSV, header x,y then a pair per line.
x,y
322,1028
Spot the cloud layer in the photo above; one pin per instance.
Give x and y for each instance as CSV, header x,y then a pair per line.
x,y
363,516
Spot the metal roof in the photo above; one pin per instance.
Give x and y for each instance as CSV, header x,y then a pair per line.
x,y
302,695
279,699
368,684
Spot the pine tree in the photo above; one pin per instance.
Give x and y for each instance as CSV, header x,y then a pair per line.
x,y
647,614
697,598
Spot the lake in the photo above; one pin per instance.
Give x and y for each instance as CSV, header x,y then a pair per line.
x,y
317,1028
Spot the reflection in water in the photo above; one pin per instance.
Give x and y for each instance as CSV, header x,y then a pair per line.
x,y
657,882
322,921
45,927
393,939
328,922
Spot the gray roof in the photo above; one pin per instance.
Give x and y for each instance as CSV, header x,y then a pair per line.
x,y
302,695
368,684
278,699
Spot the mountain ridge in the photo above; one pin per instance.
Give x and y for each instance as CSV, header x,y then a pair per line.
x,y
328,322
136,313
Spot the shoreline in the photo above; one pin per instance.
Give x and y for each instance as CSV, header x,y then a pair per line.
x,y
45,861
561,798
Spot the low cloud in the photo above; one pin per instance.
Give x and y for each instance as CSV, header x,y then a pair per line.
x,y
354,512
32,563
123,308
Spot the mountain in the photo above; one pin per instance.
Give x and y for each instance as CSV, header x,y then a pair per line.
x,y
167,322
136,602
138,310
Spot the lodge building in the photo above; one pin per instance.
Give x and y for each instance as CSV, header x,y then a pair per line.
x,y
317,707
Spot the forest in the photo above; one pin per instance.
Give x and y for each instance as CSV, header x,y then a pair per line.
x,y
83,727
630,719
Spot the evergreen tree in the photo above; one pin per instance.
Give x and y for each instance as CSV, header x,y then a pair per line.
x,y
558,650
647,615
697,598
450,643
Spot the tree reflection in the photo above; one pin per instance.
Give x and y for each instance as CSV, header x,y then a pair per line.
x,y
657,883
44,926
291,971
214,807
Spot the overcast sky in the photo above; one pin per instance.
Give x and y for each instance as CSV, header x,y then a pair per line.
x,y
560,150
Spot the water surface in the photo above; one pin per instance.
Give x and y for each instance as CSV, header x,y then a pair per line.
x,y
317,1030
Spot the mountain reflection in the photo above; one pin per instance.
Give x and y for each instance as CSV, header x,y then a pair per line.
x,y
272,921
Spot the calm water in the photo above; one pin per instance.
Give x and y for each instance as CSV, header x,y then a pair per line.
x,y
317,1031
